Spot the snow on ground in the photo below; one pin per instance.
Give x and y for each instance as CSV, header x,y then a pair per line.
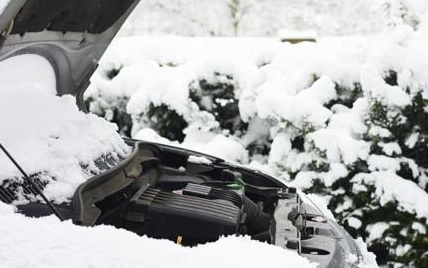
x,y
47,242
47,134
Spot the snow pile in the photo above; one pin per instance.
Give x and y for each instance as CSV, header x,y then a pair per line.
x,y
47,134
47,242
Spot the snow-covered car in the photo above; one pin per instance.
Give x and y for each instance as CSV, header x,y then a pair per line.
x,y
80,169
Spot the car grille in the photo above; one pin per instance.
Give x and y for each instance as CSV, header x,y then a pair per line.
x,y
10,190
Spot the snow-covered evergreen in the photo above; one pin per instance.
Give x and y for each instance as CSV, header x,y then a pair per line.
x,y
344,117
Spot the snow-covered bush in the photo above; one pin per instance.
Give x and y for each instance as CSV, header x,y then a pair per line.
x,y
345,118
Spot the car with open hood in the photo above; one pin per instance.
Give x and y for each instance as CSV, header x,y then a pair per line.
x,y
147,188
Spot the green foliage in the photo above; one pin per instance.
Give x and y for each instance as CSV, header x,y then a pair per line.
x,y
115,113
349,96
400,245
112,73
217,96
346,96
381,116
167,122
259,147
391,78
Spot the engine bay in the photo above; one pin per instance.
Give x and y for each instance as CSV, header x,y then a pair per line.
x,y
191,203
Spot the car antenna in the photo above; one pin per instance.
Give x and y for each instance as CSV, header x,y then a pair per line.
x,y
30,181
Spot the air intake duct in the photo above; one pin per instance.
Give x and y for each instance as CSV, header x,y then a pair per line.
x,y
256,221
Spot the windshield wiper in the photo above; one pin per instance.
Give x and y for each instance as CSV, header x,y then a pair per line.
x,y
31,182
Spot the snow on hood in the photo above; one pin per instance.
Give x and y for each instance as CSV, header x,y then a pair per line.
x,y
3,4
47,134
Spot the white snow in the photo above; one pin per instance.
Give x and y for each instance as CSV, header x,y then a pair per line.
x,y
419,227
3,4
149,134
390,148
376,230
256,17
213,144
320,203
281,147
382,162
27,72
391,187
379,132
199,160
47,134
217,145
354,222
368,258
47,242
412,139
285,34
403,249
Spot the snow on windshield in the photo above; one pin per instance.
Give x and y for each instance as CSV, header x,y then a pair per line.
x,y
47,134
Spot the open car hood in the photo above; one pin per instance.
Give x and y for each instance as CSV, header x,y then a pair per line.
x,y
71,34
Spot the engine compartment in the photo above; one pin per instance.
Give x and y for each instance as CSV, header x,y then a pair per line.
x,y
186,204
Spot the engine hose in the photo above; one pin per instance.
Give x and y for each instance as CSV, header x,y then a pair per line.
x,y
262,237
256,220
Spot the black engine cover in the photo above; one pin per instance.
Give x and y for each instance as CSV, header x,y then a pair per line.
x,y
161,214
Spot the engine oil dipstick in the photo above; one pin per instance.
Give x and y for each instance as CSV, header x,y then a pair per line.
x,y
179,240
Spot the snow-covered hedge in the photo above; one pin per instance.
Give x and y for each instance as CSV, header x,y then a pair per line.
x,y
345,118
